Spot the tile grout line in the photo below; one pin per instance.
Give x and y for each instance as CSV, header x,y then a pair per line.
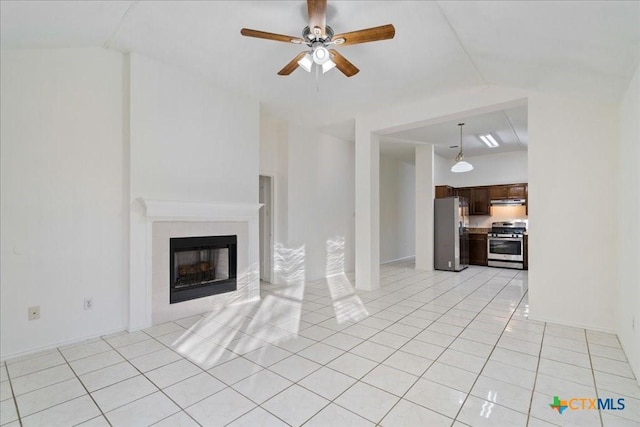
x,y
45,386
425,328
149,379
535,380
593,375
13,394
126,359
85,389
358,380
492,350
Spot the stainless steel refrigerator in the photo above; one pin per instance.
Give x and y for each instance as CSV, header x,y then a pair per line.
x,y
451,238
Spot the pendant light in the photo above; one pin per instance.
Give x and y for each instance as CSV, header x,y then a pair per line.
x,y
461,165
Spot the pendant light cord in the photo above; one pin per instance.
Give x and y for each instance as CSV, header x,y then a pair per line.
x,y
460,154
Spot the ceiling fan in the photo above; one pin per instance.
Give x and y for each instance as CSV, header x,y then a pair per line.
x,y
319,37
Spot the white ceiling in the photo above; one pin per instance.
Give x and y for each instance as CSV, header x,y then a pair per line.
x,y
508,126
586,49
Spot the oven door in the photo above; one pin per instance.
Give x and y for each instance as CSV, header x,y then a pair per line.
x,y
505,248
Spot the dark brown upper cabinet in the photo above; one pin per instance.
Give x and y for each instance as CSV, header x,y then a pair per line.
x,y
443,191
510,191
478,198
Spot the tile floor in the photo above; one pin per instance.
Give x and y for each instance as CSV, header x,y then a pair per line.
x,y
427,349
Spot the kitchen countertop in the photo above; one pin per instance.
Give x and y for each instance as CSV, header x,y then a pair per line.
x,y
478,230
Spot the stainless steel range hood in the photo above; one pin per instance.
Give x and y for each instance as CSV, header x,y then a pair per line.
x,y
508,202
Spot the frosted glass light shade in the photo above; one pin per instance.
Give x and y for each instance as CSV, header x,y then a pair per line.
x,y
306,62
321,55
461,166
328,66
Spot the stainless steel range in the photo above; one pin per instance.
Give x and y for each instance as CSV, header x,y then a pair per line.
x,y
505,244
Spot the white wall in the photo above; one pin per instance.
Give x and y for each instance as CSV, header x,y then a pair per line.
x,y
62,196
425,193
189,141
501,168
321,200
269,141
628,307
573,169
441,170
274,149
397,209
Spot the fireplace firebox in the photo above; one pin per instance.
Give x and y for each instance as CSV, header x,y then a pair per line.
x,y
202,266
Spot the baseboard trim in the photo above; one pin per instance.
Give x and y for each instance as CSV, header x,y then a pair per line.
x,y
574,325
407,258
5,357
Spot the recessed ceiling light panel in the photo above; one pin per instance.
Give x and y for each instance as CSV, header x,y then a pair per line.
x,y
489,140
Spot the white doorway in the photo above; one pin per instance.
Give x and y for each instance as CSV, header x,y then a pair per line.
x,y
265,197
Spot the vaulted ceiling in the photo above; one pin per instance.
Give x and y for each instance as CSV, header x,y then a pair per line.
x,y
578,48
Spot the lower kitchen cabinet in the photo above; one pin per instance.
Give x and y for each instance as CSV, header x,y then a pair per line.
x,y
477,249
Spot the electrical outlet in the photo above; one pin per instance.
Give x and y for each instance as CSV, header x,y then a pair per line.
x,y
34,312
88,303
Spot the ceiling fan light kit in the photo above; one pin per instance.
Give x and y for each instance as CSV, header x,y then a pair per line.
x,y
306,62
319,37
461,165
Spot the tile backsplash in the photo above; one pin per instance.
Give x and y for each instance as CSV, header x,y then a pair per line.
x,y
499,213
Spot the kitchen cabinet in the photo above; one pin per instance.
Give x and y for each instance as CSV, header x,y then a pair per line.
x,y
479,201
517,191
478,198
498,192
477,249
443,191
510,191
466,193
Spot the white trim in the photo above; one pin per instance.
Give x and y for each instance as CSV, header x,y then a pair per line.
x,y
406,258
577,325
141,235
274,222
65,343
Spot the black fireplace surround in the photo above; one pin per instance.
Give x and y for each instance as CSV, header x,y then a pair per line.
x,y
202,266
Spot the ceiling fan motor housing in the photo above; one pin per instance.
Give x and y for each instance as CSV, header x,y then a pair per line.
x,y
310,38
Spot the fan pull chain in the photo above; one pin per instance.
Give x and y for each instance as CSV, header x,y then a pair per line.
x,y
317,67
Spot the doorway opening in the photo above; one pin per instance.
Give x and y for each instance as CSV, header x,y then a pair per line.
x,y
265,197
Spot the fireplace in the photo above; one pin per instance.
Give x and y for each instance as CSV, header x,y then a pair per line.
x,y
202,266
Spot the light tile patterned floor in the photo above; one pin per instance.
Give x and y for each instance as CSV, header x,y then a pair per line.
x,y
427,349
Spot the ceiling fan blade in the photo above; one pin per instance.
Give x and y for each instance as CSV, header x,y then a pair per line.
x,y
343,64
384,32
317,15
270,36
291,66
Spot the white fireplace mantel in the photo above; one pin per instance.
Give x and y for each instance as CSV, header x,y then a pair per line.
x,y
148,211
